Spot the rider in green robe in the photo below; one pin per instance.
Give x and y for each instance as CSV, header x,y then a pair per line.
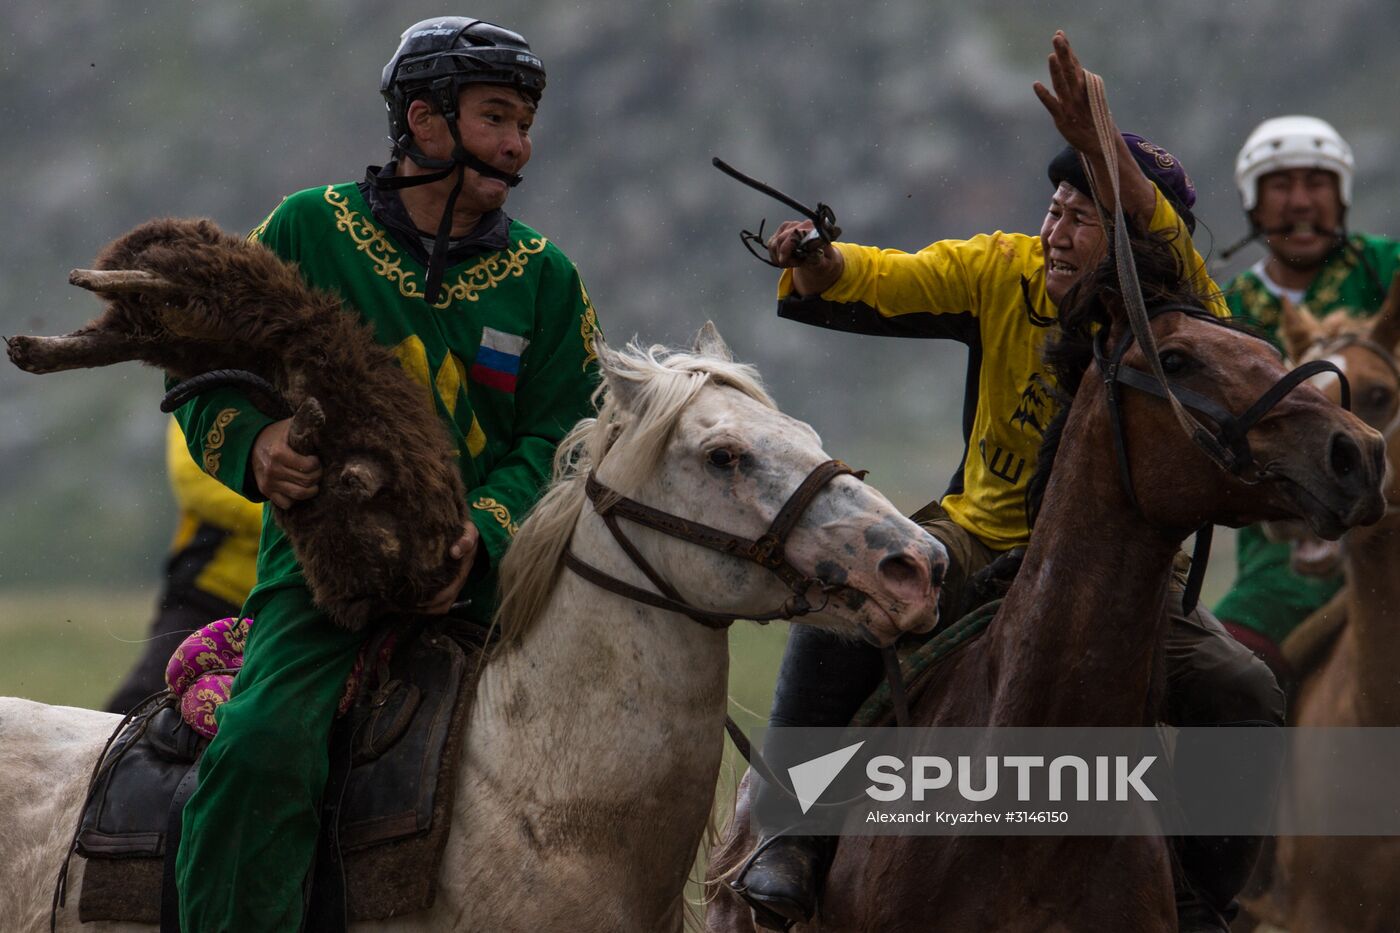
x,y
1295,178
493,321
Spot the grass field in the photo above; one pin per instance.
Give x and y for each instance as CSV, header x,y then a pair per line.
x,y
72,648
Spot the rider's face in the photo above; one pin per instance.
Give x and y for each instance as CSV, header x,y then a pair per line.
x,y
1300,212
494,124
1072,240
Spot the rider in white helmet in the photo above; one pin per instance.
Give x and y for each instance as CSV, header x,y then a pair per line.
x,y
1295,179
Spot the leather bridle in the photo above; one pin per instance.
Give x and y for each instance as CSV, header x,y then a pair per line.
x,y
1228,444
767,550
1329,347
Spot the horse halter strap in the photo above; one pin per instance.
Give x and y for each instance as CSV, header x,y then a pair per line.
x,y
768,550
1228,446
1328,347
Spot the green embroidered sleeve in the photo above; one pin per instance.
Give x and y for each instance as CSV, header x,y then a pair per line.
x,y
557,376
219,429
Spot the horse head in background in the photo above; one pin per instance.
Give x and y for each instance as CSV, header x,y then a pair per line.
x,y
1348,653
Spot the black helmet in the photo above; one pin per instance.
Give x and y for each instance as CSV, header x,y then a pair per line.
x,y
439,56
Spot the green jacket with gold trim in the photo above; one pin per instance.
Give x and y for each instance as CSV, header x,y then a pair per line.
x,y
1355,278
505,357
1267,596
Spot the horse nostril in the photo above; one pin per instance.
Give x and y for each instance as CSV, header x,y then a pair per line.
x,y
904,575
1344,457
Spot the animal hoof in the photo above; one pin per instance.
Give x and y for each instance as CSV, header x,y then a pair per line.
x,y
21,351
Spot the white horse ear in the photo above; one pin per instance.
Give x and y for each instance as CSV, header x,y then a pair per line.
x,y
621,388
709,343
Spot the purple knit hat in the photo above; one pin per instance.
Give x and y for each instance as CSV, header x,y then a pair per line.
x,y
1163,168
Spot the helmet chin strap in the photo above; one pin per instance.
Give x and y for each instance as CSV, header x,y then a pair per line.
x,y
460,160
1257,232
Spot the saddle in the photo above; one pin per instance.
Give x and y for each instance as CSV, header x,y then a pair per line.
x,y
388,806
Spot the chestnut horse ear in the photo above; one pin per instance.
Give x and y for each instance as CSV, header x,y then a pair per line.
x,y
708,342
1298,329
1386,331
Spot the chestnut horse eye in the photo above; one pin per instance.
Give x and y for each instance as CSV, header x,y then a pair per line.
x,y
1173,361
1378,397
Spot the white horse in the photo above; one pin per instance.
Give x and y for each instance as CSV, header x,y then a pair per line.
x,y
594,747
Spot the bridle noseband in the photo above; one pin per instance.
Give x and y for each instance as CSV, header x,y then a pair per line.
x,y
767,550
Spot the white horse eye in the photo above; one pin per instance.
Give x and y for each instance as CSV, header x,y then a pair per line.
x,y
722,457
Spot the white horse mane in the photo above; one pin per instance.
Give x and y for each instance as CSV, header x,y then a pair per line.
x,y
643,392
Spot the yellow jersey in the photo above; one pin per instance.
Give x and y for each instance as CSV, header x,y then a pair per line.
x,y
989,293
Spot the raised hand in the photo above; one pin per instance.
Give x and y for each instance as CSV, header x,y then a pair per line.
x,y
1068,105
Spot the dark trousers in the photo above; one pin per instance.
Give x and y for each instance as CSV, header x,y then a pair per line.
x,y
1212,680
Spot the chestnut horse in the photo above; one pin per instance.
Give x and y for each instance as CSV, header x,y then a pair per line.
x,y
1078,637
1352,883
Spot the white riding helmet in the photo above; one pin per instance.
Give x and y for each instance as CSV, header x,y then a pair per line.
x,y
1292,142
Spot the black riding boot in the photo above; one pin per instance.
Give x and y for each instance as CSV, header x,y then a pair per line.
x,y
783,881
822,682
1212,870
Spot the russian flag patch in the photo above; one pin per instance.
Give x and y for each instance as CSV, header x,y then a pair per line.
x,y
497,361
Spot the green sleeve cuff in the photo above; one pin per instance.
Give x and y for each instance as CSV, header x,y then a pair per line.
x,y
495,521
220,427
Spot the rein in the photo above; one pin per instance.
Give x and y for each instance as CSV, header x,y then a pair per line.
x,y
1227,446
768,550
